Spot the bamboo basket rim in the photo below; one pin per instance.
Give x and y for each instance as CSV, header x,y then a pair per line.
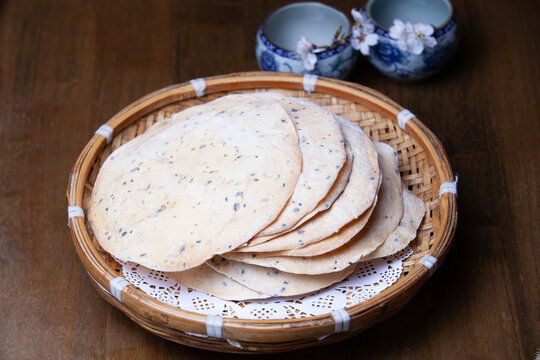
x,y
240,329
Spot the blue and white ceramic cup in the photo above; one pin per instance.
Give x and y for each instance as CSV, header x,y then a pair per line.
x,y
387,57
277,37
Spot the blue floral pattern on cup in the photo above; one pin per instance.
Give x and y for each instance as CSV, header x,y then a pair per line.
x,y
389,54
404,65
268,63
336,62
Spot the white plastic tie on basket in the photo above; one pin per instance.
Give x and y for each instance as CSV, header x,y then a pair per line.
x,y
404,116
213,325
235,343
430,262
74,211
116,285
98,284
199,85
448,187
309,82
195,334
106,131
342,320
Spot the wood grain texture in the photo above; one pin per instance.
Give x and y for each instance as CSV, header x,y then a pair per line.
x,y
66,67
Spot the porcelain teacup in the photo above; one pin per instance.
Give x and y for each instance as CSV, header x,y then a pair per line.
x,y
390,59
318,23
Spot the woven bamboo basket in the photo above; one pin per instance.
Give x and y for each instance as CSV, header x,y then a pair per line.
x,y
423,165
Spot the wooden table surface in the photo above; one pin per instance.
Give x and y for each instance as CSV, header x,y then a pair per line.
x,y
66,67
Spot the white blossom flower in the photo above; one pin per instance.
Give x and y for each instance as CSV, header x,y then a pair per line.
x,y
400,31
361,40
304,49
363,35
362,21
420,38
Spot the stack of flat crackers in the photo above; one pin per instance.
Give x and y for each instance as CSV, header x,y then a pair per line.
x,y
253,196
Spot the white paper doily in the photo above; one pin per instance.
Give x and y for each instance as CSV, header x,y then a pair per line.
x,y
370,278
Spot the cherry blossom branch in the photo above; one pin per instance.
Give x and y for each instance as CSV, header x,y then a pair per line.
x,y
410,36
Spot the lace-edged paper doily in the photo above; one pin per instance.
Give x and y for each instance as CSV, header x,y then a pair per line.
x,y
371,277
